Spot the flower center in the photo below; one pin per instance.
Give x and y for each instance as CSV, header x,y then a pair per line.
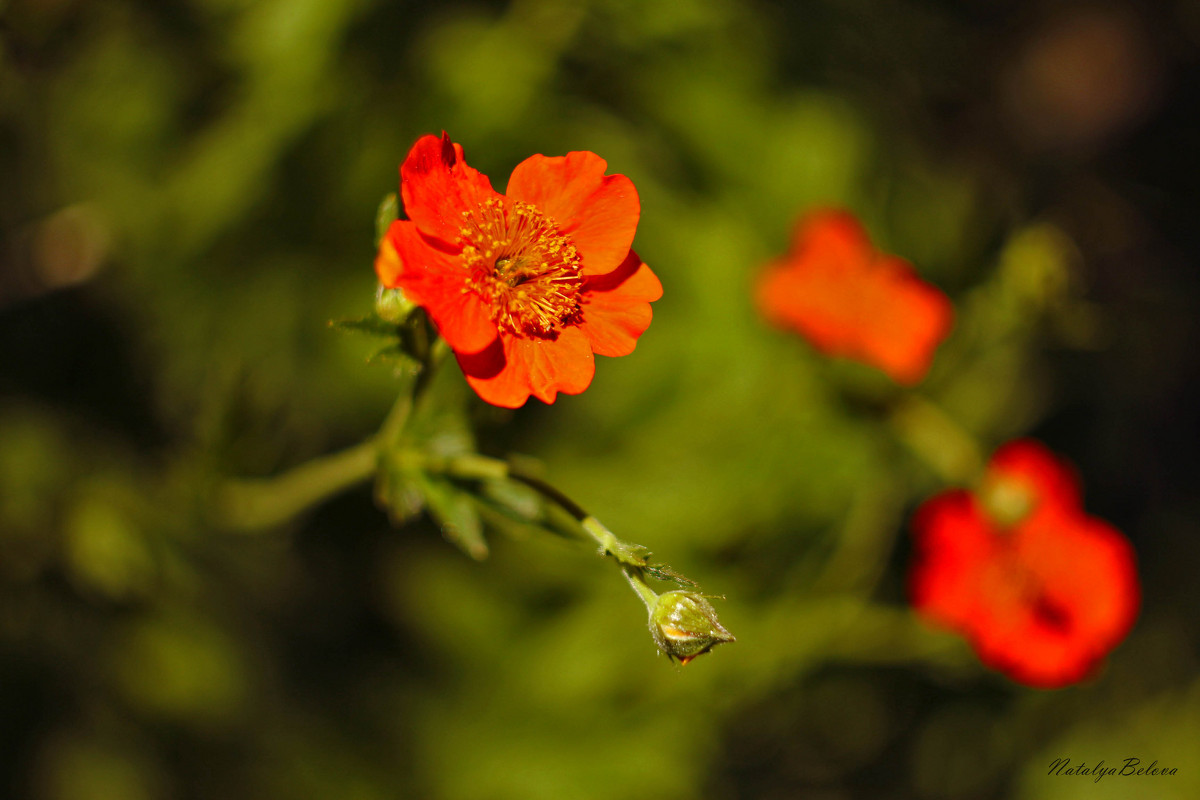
x,y
1018,592
1007,501
522,266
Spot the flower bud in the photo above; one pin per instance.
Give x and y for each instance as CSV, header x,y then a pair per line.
x,y
684,625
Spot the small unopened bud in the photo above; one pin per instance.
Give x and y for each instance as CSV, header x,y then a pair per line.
x,y
392,306
684,625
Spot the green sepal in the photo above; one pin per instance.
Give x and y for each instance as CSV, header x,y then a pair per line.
x,y
407,339
392,305
392,354
371,325
664,572
387,213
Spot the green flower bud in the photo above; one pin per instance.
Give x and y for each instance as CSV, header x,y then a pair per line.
x,y
684,625
392,306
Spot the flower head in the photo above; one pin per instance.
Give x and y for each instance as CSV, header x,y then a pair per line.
x,y
850,300
524,286
1041,590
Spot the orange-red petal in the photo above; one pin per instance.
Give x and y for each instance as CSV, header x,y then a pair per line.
x,y
510,370
833,235
1086,601
434,280
1029,462
599,212
1043,600
952,543
616,307
903,324
437,187
848,300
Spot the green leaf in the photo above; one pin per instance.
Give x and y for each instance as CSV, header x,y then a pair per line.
x,y
400,491
516,499
455,513
496,518
405,341
439,425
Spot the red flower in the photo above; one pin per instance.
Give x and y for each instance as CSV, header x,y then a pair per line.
x,y
1041,590
850,300
524,287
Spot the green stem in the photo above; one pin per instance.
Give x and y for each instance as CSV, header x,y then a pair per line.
x,y
477,467
865,541
396,420
253,504
633,558
638,582
589,523
607,540
938,440
258,504
470,466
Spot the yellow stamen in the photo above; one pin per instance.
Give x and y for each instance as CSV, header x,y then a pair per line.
x,y
523,266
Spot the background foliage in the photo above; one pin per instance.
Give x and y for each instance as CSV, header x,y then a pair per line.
x,y
189,196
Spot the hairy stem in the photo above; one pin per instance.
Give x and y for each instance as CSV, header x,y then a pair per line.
x,y
638,581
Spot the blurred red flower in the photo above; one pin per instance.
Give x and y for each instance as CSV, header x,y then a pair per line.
x,y
524,287
850,300
1041,590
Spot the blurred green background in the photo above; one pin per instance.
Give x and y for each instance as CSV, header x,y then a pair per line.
x,y
189,191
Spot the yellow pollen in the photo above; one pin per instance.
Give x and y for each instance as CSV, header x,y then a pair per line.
x,y
523,266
